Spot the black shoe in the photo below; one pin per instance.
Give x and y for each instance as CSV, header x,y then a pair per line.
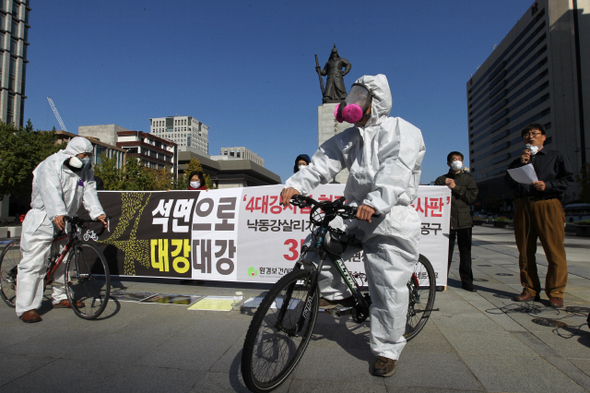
x,y
469,287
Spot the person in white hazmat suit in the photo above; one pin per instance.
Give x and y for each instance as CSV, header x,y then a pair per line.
x,y
383,155
62,183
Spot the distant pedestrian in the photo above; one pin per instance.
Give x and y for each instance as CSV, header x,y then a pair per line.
x,y
197,181
463,195
99,183
538,214
302,160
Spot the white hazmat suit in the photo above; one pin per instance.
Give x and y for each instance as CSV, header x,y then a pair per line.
x,y
57,191
384,160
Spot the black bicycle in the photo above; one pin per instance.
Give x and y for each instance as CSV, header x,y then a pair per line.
x,y
283,323
87,278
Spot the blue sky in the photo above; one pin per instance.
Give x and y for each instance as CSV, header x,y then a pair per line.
x,y
246,69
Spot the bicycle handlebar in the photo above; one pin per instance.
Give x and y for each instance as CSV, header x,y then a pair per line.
x,y
331,209
77,222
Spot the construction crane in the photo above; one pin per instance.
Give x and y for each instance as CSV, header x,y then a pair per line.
x,y
56,113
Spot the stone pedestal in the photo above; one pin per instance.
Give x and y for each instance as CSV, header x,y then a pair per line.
x,y
327,128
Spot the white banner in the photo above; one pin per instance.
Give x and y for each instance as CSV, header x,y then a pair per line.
x,y
244,234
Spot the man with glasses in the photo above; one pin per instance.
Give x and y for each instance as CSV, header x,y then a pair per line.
x,y
538,214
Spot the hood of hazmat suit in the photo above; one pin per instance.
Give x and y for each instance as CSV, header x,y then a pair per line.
x,y
384,156
78,145
59,191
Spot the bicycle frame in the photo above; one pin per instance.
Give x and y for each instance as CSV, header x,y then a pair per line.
x,y
54,264
360,311
73,236
325,255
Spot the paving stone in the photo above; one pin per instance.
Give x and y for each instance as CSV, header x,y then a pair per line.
x,y
475,342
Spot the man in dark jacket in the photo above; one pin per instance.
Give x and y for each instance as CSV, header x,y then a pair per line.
x,y
538,214
464,192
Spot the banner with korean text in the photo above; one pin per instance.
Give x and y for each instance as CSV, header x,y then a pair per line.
x,y
237,234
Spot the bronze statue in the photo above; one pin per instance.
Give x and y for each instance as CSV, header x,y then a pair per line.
x,y
335,90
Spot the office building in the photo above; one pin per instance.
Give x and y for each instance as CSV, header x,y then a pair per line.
x,y
107,133
182,130
229,172
152,151
539,73
14,29
239,153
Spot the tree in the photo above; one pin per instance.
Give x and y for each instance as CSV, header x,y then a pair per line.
x,y
21,150
137,177
134,177
193,166
106,169
163,179
583,179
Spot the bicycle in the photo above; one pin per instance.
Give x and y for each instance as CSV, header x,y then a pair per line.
x,y
86,277
283,323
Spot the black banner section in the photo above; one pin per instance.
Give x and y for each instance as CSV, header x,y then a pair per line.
x,y
149,232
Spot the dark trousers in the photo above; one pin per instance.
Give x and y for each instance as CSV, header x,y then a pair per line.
x,y
463,237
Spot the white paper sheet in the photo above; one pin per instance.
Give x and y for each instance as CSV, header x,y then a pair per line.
x,y
525,174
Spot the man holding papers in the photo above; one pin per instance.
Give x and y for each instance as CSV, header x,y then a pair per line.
x,y
538,214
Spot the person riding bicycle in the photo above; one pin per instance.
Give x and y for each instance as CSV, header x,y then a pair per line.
x,y
62,183
383,155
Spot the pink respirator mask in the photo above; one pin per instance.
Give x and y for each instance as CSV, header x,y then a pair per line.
x,y
353,108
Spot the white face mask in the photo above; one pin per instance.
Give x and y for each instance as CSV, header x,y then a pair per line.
x,y
301,166
195,184
456,165
75,162
533,149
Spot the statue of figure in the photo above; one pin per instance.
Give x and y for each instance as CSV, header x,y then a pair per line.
x,y
335,90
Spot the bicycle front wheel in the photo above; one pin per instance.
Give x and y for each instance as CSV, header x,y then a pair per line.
x,y
422,290
9,260
88,281
280,331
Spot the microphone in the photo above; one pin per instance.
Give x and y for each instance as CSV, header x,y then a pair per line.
x,y
529,147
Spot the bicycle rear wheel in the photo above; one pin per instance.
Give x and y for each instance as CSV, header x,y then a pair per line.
x,y
422,289
9,260
279,332
88,281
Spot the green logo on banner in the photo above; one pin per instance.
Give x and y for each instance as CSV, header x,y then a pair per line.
x,y
252,272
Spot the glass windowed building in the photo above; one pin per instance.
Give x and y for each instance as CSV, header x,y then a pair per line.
x,y
14,28
182,130
539,73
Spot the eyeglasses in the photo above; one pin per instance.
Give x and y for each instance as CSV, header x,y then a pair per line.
x,y
532,134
